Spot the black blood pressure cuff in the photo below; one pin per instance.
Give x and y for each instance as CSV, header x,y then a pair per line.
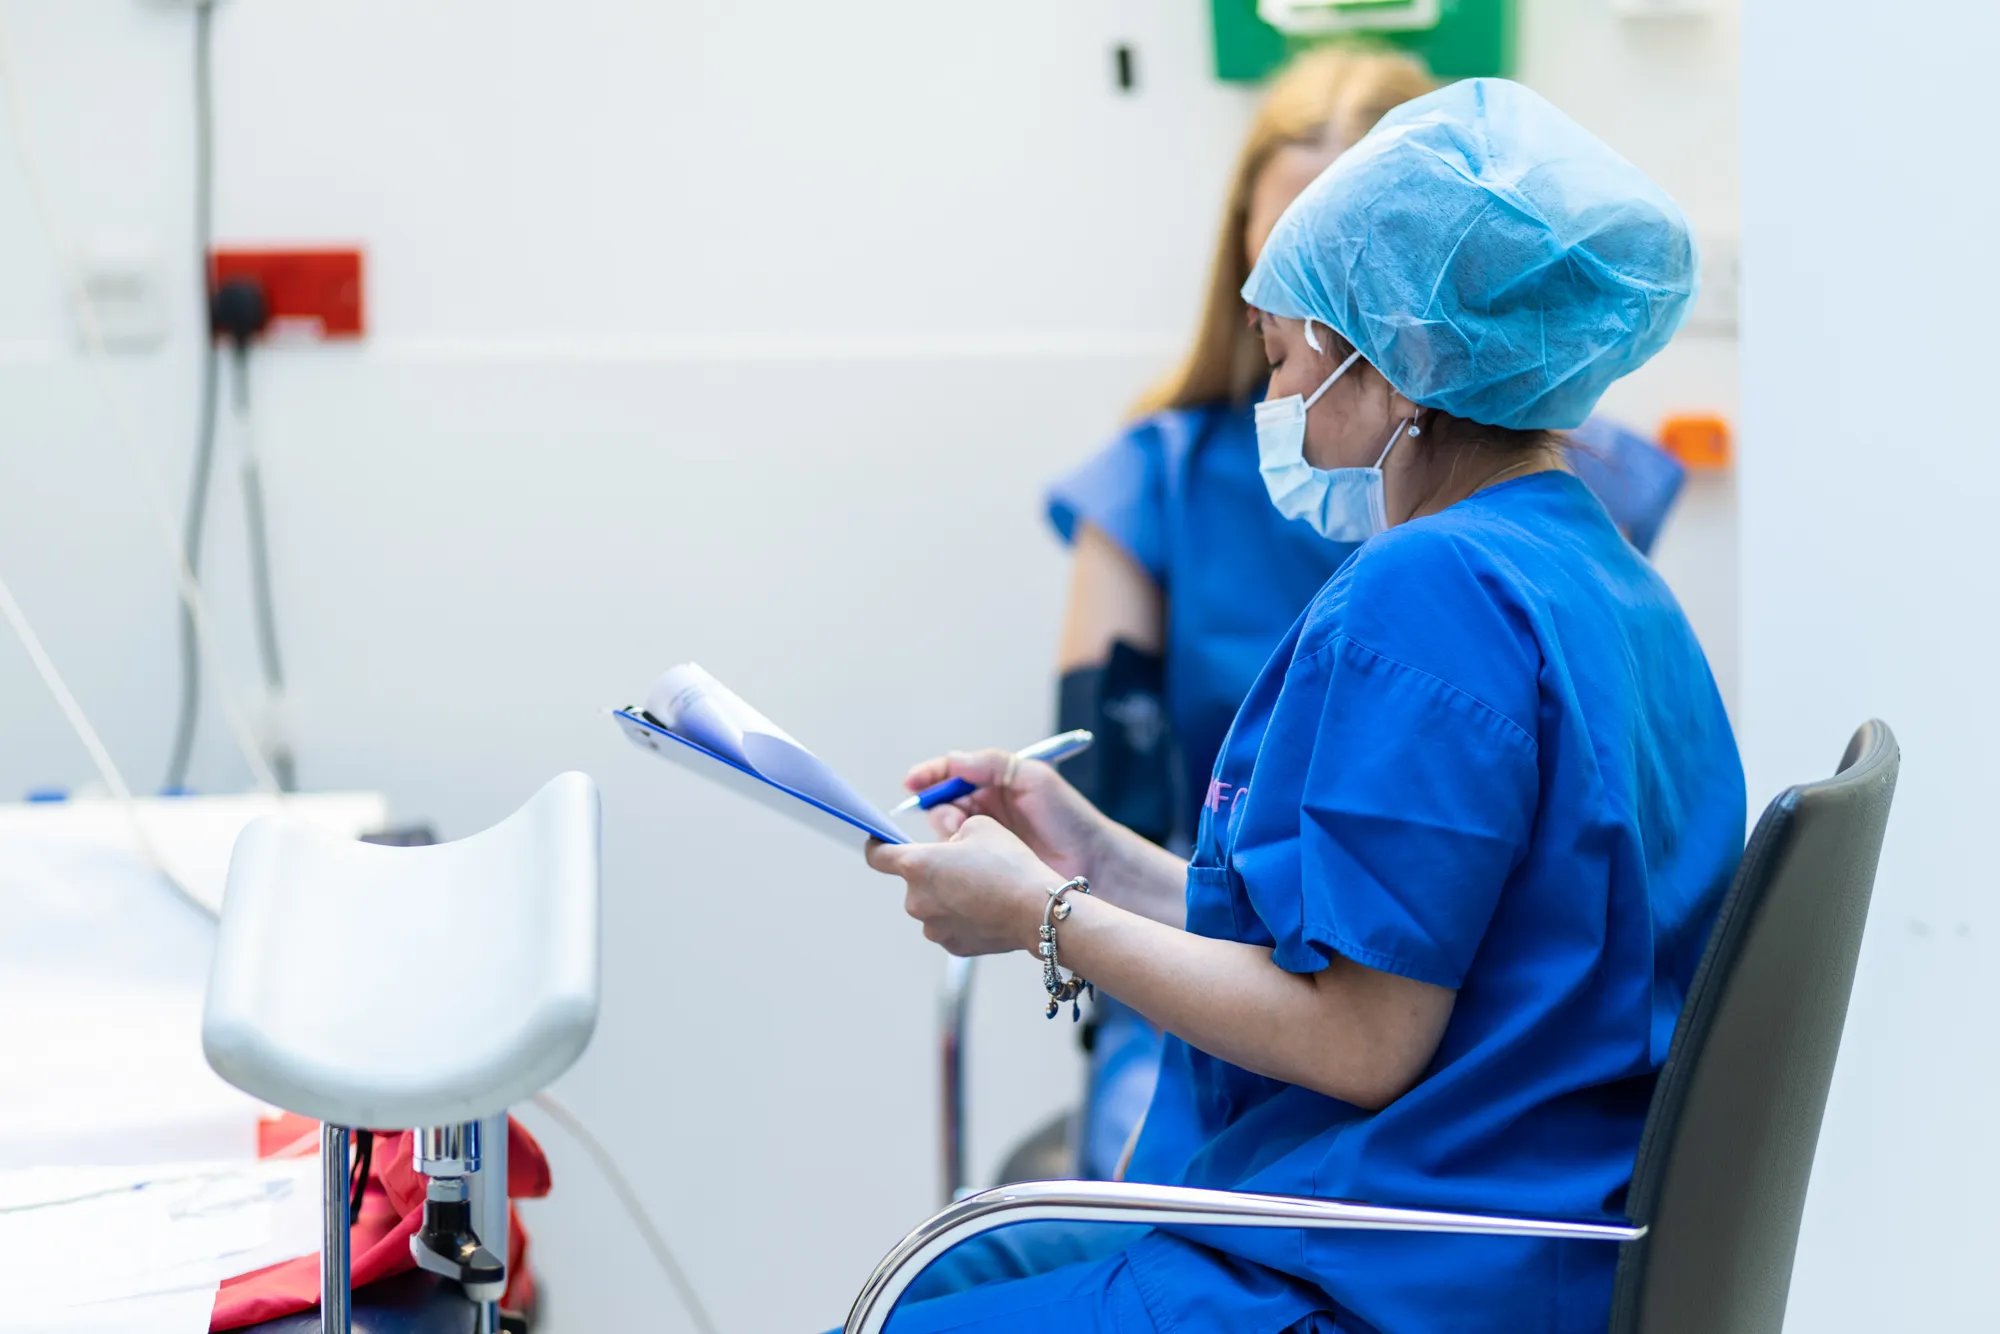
x,y
1130,773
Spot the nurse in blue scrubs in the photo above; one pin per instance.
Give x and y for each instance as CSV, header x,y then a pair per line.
x,y
1184,576
1459,853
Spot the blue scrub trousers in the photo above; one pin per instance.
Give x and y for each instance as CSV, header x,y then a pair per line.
x,y
1081,1278
1063,1278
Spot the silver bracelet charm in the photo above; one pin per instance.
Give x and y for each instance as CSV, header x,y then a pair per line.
x,y
1062,991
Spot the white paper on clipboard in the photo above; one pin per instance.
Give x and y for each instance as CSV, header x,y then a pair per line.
x,y
692,720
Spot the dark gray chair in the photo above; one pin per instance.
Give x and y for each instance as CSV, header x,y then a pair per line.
x,y
1720,1178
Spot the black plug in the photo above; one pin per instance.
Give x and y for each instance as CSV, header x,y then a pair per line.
x,y
238,311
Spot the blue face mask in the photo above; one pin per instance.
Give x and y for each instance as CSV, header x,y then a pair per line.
x,y
1341,504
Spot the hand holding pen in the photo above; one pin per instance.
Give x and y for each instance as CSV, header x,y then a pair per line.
x,y
1054,750
1022,792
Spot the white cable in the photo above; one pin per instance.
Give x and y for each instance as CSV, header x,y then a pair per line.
x,y
274,726
79,722
125,430
636,1210
46,668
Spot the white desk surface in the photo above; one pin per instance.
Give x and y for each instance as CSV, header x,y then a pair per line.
x,y
102,970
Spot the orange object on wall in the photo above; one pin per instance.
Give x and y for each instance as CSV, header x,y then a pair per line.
x,y
311,291
1703,442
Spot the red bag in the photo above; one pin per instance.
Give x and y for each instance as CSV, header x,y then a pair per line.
x,y
392,1209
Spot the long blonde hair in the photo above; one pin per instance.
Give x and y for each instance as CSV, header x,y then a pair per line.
x,y
1339,91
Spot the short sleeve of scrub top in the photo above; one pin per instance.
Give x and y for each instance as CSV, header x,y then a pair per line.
x,y
1123,491
1408,802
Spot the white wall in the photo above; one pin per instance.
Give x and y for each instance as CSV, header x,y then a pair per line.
x,y
1870,483
695,332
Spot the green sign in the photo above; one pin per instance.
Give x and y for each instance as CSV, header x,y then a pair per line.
x,y
1472,37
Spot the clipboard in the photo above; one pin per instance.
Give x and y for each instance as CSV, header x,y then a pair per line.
x,y
794,805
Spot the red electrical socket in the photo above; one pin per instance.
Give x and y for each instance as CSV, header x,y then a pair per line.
x,y
310,292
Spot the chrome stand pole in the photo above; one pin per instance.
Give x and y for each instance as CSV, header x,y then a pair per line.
x,y
334,1272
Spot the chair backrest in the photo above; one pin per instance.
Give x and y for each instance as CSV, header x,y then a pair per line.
x,y
391,987
1728,1147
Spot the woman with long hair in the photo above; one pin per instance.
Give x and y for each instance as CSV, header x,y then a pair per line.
x,y
1184,577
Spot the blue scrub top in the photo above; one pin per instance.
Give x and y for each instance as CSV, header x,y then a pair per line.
x,y
1489,756
1180,492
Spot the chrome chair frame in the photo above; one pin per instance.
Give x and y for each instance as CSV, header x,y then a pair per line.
x,y
1159,1206
954,1018
954,1006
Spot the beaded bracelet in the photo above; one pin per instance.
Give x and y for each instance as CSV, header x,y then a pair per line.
x,y
1062,991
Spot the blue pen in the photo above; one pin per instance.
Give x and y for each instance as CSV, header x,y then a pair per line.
x,y
1053,751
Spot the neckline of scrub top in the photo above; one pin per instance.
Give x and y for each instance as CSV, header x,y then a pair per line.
x,y
1496,488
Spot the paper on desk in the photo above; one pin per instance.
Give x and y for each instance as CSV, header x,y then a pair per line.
x,y
690,702
188,1311
74,1242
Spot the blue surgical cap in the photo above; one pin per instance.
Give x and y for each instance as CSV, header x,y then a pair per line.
x,y
1488,255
